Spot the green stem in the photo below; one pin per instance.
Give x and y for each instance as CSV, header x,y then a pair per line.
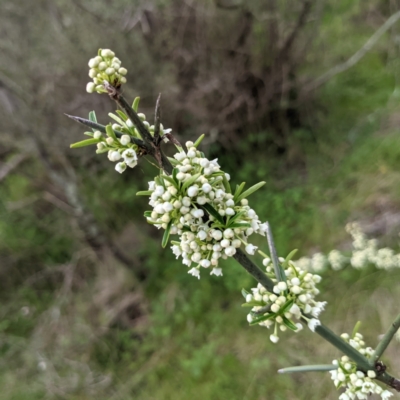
x,y
384,343
279,273
253,270
344,347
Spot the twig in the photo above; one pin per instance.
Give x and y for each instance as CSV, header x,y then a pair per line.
x,y
102,128
355,58
157,118
384,343
12,164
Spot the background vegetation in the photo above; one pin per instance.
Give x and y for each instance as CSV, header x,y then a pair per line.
x,y
91,307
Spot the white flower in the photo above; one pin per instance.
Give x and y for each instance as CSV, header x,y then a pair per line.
x,y
125,139
250,249
120,167
386,394
313,323
90,87
195,272
274,338
216,272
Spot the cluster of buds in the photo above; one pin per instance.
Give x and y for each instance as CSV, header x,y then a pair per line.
x,y
105,67
289,302
196,202
359,385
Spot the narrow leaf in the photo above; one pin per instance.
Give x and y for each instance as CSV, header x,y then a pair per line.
x,y
262,318
110,132
285,264
171,180
245,293
253,303
240,225
174,173
116,119
191,180
173,161
308,368
147,214
212,211
135,104
238,191
84,143
92,117
290,324
122,115
251,190
199,140
88,134
226,183
166,235
236,216
144,193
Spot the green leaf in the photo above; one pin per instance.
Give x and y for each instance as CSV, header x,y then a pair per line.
x,y
240,225
135,104
286,306
116,119
147,214
238,191
356,328
236,216
101,151
251,190
166,235
308,368
88,134
245,293
199,140
253,303
173,161
144,193
174,173
289,324
262,318
92,117
122,115
84,143
212,211
171,180
285,264
226,183
191,180
110,132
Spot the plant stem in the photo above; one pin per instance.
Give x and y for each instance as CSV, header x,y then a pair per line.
x,y
102,128
384,343
253,270
279,273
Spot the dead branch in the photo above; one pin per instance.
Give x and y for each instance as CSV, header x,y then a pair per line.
x,y
355,58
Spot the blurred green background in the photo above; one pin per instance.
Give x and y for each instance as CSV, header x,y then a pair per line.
x,y
91,307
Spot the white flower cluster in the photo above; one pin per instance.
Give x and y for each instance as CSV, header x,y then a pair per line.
x,y
358,384
105,67
197,204
287,303
122,150
365,252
